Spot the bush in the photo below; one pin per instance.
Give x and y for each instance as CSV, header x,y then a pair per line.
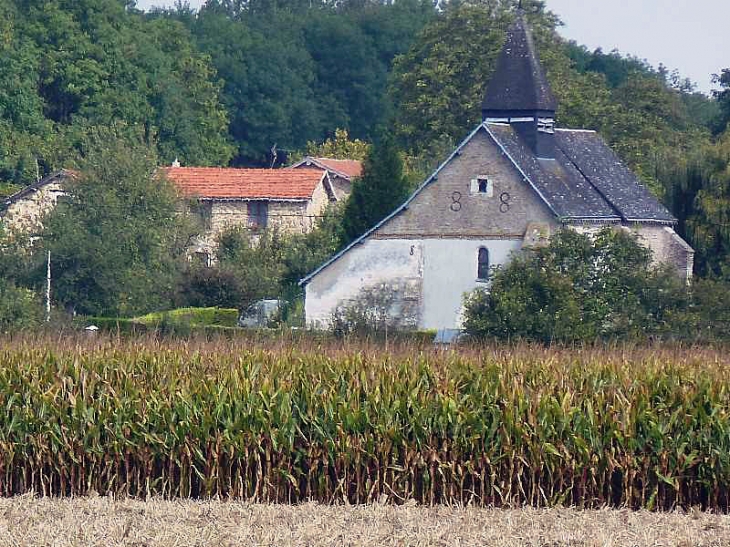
x,y
376,311
579,288
19,307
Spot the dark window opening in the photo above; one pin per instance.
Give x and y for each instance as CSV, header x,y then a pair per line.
x,y
203,259
483,264
258,212
482,186
205,210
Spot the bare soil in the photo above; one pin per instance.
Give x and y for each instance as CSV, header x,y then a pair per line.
x,y
100,521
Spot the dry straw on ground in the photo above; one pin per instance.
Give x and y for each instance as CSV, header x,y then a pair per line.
x,y
98,521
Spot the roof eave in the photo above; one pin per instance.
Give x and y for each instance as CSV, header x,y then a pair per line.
x,y
309,160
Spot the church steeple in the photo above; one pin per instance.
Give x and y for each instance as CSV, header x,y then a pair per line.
x,y
519,93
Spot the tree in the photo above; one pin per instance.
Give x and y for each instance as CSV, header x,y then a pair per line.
x,y
723,98
579,288
117,240
20,307
709,226
382,188
340,147
71,66
249,267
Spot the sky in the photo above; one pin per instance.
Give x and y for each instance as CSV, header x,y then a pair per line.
x,y
691,36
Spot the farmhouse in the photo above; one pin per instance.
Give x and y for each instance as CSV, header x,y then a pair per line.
x,y
341,173
290,200
508,186
23,211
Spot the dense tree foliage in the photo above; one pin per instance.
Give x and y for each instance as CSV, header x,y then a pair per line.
x,y
579,288
380,190
117,241
295,71
68,66
723,98
699,195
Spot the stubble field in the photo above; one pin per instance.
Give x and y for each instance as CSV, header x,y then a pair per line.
x,y
98,521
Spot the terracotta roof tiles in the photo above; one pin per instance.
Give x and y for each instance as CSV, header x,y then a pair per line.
x,y
351,168
245,184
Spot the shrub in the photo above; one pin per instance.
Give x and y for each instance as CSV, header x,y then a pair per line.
x,y
19,307
375,311
579,288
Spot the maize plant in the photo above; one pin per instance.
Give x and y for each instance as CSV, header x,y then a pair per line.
x,y
502,426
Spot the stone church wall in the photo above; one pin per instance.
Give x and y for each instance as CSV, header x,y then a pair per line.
x,y
449,206
668,248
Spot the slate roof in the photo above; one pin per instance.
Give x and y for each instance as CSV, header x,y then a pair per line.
x,y
618,185
585,181
519,82
246,184
348,169
572,185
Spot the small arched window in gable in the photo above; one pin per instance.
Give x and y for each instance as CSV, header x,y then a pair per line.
x,y
483,263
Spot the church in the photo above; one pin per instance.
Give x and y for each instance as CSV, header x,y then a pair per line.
x,y
515,180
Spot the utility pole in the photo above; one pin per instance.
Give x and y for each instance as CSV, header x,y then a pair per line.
x,y
48,289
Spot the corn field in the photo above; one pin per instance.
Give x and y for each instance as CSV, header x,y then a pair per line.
x,y
285,423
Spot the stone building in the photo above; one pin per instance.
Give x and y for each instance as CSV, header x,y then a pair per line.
x,y
24,210
288,199
509,185
341,172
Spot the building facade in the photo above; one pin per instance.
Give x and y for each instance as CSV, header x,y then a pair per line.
x,y
23,212
341,173
514,181
290,200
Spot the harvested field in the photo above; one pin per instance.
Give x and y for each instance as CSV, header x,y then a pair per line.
x,y
99,521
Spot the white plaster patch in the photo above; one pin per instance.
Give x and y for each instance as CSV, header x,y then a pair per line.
x,y
436,271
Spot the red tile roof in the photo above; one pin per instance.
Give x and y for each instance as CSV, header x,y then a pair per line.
x,y
228,183
351,168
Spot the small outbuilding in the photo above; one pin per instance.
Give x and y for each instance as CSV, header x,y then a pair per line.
x,y
341,172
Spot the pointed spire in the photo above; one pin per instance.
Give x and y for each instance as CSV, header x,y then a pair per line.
x,y
518,86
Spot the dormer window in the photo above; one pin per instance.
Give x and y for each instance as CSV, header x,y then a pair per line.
x,y
483,264
482,185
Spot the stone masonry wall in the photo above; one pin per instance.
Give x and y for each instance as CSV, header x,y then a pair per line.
x,y
341,187
668,248
25,215
290,217
449,207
